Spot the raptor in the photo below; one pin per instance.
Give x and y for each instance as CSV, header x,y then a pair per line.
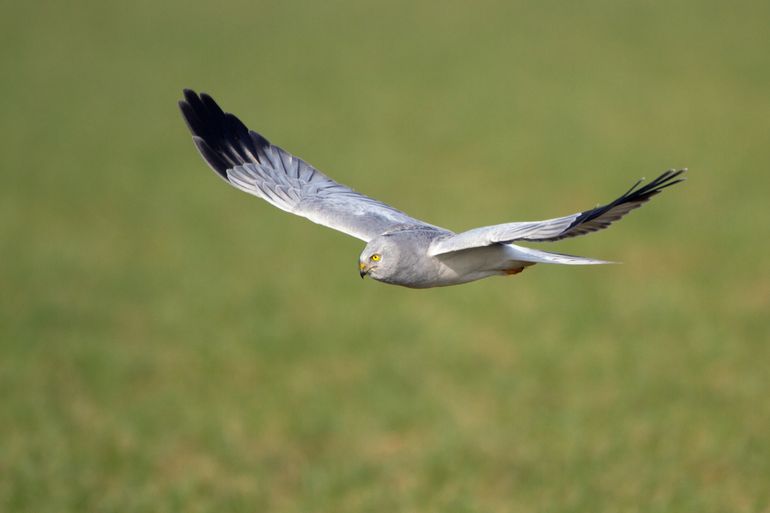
x,y
400,249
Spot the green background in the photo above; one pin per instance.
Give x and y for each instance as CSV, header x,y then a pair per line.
x,y
170,344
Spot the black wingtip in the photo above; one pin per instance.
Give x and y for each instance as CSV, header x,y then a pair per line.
x,y
220,137
638,194
666,179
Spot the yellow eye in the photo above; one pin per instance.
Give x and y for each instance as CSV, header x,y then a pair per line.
x,y
375,258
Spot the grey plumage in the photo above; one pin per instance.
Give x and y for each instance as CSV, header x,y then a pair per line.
x,y
562,227
248,161
400,249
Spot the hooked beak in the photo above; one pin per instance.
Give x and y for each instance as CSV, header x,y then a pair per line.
x,y
362,270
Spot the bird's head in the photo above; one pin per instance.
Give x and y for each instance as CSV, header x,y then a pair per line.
x,y
379,258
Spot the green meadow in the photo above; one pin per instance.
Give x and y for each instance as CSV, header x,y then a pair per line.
x,y
170,344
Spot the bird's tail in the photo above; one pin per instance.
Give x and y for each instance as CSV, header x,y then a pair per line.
x,y
535,256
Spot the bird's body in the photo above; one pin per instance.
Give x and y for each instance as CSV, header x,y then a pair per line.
x,y
413,267
408,250
400,250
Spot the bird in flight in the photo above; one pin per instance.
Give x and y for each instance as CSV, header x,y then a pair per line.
x,y
400,249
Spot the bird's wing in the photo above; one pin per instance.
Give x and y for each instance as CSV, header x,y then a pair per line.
x,y
559,228
249,162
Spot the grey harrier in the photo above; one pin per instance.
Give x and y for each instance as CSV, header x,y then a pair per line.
x,y
400,249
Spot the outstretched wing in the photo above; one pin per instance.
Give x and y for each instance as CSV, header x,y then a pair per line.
x,y
249,162
561,227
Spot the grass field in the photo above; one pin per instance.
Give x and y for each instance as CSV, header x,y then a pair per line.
x,y
170,344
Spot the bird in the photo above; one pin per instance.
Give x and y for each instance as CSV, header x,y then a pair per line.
x,y
399,250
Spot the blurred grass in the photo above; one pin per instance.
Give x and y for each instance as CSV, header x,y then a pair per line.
x,y
169,344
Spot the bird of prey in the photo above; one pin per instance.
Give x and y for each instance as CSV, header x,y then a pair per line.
x,y
400,249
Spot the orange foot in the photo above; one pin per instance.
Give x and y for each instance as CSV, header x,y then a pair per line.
x,y
515,270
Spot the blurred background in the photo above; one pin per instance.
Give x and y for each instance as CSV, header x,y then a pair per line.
x,y
168,343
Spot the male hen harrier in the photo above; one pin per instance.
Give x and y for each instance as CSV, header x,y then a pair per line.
x,y
400,249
